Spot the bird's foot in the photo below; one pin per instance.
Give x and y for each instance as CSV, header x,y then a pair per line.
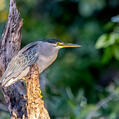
x,y
24,79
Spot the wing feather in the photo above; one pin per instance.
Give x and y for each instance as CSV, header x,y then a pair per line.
x,y
25,57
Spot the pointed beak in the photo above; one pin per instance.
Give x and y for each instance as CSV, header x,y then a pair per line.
x,y
64,45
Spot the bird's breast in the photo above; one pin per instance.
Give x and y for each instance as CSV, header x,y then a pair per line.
x,y
44,62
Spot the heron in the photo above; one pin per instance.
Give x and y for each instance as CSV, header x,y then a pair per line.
x,y
42,52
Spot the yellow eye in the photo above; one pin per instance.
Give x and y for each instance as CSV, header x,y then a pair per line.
x,y
59,43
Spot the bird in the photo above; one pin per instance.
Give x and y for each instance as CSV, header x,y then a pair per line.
x,y
42,52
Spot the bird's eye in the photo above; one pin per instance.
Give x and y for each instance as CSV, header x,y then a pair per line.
x,y
59,43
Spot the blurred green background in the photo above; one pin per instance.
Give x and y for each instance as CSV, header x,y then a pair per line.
x,y
84,82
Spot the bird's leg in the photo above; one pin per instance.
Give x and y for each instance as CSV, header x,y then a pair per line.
x,y
24,79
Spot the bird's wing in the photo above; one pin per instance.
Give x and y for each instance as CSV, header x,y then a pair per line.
x,y
30,45
26,57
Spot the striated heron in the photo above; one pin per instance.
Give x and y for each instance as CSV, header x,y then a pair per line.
x,y
42,52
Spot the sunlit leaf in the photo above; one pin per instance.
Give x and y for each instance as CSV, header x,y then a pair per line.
x,y
2,5
116,52
3,16
106,40
102,41
107,55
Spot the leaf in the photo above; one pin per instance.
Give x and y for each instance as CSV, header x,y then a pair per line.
x,y
107,55
116,52
101,42
106,40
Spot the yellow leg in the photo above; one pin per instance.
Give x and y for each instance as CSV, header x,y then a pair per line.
x,y
23,79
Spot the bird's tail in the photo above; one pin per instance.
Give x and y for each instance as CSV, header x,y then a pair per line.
x,y
7,82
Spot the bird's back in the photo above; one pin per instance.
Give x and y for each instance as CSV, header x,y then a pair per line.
x,y
25,57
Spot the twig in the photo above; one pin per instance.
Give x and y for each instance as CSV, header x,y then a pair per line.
x,y
99,105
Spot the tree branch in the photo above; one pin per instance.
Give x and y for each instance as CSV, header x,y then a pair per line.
x,y
20,102
35,104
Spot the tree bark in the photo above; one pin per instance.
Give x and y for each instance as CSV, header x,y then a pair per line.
x,y
35,104
22,102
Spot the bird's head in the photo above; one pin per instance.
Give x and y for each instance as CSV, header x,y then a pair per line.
x,y
48,51
59,44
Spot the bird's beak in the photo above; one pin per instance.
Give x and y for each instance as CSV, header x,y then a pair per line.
x,y
64,45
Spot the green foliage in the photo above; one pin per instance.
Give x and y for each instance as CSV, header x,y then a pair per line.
x,y
111,44
106,40
87,7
